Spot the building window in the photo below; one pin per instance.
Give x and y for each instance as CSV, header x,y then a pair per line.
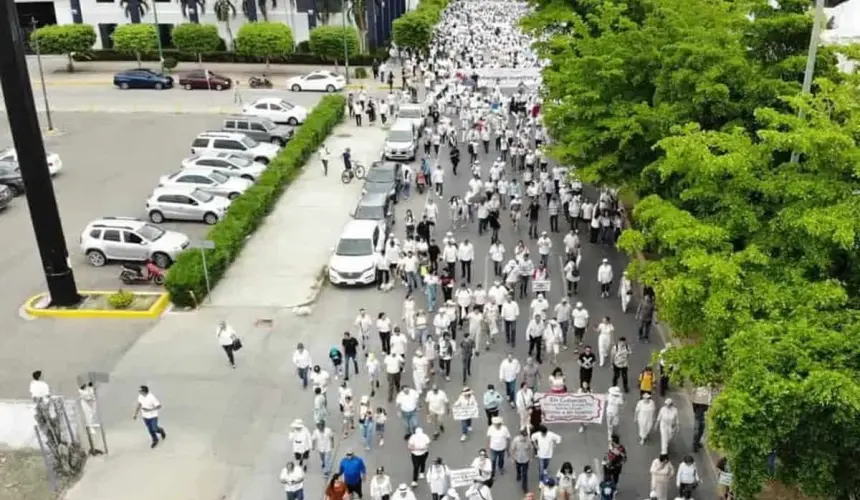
x,y
106,34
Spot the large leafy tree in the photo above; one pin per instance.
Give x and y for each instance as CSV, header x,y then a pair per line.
x,y
65,39
333,43
264,40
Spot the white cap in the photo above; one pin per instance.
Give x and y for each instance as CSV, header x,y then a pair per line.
x,y
615,391
579,304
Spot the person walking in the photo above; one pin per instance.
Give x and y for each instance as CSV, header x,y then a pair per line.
x,y
687,479
499,438
293,479
524,399
418,446
147,409
662,473
510,313
322,440
620,355
614,402
380,485
383,326
645,317
350,353
586,362
604,277
466,399
336,489
616,456
468,349
509,371
437,408
438,479
325,156
605,332
353,470
404,493
407,405
492,403
544,442
587,484
625,292
228,340
302,441
303,362
579,316
521,453
644,416
667,422
393,369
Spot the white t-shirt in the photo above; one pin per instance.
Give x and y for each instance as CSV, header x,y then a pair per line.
x,y
393,363
580,317
545,444
323,440
499,437
39,389
293,480
418,444
407,401
437,403
148,405
398,344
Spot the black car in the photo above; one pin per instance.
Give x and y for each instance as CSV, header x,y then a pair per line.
x,y
375,206
384,177
10,176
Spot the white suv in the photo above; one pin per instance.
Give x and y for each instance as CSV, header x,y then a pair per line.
x,y
129,239
227,142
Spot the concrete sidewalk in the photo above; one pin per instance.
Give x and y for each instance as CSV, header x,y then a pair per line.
x,y
282,263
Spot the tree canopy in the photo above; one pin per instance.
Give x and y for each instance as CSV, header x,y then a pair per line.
x,y
695,106
135,39
264,40
330,42
196,38
65,39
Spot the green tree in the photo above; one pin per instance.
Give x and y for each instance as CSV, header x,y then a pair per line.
x,y
134,9
65,39
136,39
225,11
191,9
413,30
264,40
197,39
327,42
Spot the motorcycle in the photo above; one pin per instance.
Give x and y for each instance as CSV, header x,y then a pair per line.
x,y
133,275
260,82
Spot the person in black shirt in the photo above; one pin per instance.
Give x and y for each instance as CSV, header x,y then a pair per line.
x,y
423,229
455,159
587,359
534,213
347,159
433,251
350,352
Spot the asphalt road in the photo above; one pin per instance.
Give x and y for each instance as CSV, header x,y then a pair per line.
x,y
336,310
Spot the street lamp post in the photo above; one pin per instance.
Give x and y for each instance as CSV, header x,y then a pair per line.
x,y
158,36
809,73
33,23
345,45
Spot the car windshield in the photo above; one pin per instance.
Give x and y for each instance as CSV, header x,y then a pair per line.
x,y
240,161
286,105
218,177
400,136
267,124
412,113
380,175
151,233
370,212
354,248
201,196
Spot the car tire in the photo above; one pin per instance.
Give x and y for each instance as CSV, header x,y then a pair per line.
x,y
262,159
187,86
156,217
161,260
96,258
14,190
123,85
248,177
292,121
219,87
330,88
210,218
159,86
296,88
233,196
278,141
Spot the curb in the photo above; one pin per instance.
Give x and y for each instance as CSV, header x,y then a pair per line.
x,y
31,307
316,289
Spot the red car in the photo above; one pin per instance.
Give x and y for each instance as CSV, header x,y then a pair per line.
x,y
205,80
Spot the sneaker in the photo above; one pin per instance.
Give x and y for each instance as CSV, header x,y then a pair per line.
x,y
581,429
414,484
421,476
154,444
381,443
462,438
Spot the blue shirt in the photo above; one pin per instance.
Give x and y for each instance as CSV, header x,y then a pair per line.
x,y
352,468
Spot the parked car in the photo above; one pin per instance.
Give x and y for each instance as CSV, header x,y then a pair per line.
x,y
207,180
377,207
128,239
323,81
142,78
353,261
277,110
383,177
226,142
204,80
10,176
259,128
401,143
413,113
55,164
230,164
6,196
185,203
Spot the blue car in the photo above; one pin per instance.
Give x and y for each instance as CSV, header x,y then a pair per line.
x,y
142,78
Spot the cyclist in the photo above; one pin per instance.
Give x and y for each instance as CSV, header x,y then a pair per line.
x,y
347,160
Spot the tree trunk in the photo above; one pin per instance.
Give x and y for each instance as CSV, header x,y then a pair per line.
x,y
200,60
230,43
139,62
267,63
71,66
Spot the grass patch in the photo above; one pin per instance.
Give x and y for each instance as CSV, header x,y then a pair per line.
x,y
23,477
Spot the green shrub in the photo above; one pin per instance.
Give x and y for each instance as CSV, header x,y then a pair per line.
x,y
221,57
327,42
303,47
361,72
186,282
68,39
264,40
136,40
120,299
170,63
196,38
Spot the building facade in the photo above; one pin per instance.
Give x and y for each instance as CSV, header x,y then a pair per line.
x,y
301,15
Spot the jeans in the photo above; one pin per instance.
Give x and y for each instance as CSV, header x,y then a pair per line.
x,y
465,425
511,333
413,281
153,428
565,326
303,376
346,366
431,298
410,419
325,462
523,475
543,467
511,389
296,495
498,458
699,412
367,434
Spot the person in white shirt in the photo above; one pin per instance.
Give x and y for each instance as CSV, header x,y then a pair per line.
x,y
393,368
39,389
552,339
534,335
539,305
147,409
227,339
407,405
496,295
509,371
587,484
499,437
322,440
625,291
372,369
483,466
605,332
545,442
614,402
302,441
437,176
667,422
380,485
438,479
644,417
478,491
420,371
293,479
399,343
466,254
463,296
688,477
302,361
363,323
437,408
384,326
563,311
418,445
320,378
449,255
510,313
403,493
544,244
604,277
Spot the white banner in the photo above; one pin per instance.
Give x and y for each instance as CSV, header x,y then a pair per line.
x,y
507,77
463,477
465,411
541,286
568,407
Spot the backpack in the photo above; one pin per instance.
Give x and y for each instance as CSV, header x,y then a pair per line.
x,y
334,354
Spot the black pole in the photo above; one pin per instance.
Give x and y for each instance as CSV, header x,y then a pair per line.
x,y
24,123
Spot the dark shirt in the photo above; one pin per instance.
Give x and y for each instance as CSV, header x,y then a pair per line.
x,y
350,347
433,251
534,210
347,160
467,348
587,361
352,469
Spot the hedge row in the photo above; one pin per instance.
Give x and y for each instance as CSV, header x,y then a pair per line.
x,y
227,57
186,282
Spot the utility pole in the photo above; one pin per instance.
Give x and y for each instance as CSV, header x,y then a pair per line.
x,y
809,73
345,45
27,138
34,24
158,36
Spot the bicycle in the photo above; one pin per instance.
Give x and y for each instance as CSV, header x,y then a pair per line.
x,y
356,172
